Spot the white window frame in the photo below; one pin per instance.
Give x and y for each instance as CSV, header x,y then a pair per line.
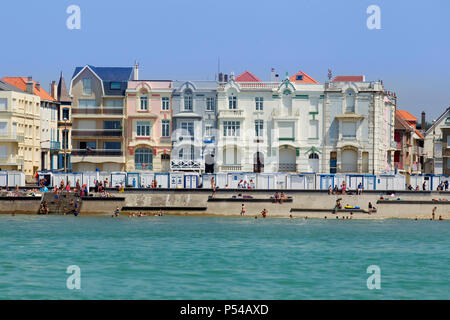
x,y
210,103
143,106
231,128
143,125
165,126
259,128
259,103
232,102
188,104
165,103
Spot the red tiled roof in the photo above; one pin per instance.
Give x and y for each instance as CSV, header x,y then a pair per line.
x,y
306,78
21,83
349,79
406,115
247,76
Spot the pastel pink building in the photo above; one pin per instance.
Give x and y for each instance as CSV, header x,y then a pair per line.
x,y
149,125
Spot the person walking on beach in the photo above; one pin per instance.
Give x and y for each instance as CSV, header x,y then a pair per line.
x,y
433,213
242,210
117,212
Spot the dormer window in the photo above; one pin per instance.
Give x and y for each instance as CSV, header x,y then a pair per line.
x,y
299,77
115,86
188,100
144,104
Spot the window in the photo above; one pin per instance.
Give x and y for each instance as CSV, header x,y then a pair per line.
x,y
87,86
143,128
208,130
259,103
84,103
65,114
3,129
349,129
112,124
3,152
143,158
65,140
180,154
165,103
350,101
448,141
3,104
232,102
88,145
299,77
187,129
259,127
112,145
210,103
114,103
313,156
165,128
144,104
115,86
231,128
188,100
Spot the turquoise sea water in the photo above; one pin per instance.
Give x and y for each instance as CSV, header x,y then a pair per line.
x,y
222,258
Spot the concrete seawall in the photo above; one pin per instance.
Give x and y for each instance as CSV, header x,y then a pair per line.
x,y
195,202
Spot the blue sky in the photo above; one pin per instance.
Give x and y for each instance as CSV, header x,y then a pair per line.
x,y
175,39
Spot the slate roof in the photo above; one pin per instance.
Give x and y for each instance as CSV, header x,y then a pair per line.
x,y
5,86
200,85
63,94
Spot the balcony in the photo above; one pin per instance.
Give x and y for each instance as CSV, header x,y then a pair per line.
x,y
12,138
55,145
11,161
143,166
97,152
186,165
82,112
231,113
230,168
287,167
105,133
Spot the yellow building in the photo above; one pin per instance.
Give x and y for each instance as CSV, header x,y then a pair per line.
x,y
19,130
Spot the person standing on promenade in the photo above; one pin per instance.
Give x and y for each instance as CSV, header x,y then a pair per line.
x,y
433,213
330,190
424,186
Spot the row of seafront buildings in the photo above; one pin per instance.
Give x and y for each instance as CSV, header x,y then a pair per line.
x,y
110,120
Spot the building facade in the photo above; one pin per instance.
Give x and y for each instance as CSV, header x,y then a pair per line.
x,y
19,130
269,126
49,145
436,152
358,127
194,124
149,125
98,117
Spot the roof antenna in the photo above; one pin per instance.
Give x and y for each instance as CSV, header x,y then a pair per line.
x,y
330,74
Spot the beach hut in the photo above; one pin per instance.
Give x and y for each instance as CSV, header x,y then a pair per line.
x,y
162,179
176,180
3,179
47,176
16,178
235,178
324,181
133,179
89,178
190,180
220,179
73,177
102,176
146,179
118,179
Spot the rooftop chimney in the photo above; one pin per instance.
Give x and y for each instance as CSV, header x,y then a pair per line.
x,y
225,78
54,90
30,85
136,71
423,123
220,77
38,86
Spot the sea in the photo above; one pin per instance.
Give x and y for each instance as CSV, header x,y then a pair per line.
x,y
189,257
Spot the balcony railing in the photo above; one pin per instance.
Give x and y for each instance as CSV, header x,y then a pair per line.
x,y
186,165
143,166
231,113
116,133
287,167
230,167
11,160
55,145
97,110
12,137
97,152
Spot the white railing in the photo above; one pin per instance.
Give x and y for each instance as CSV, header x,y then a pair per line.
x,y
186,165
231,167
231,113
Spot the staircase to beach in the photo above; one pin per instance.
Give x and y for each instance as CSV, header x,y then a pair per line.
x,y
56,206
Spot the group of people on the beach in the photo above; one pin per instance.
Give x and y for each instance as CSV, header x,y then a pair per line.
x,y
263,212
344,190
279,198
442,186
